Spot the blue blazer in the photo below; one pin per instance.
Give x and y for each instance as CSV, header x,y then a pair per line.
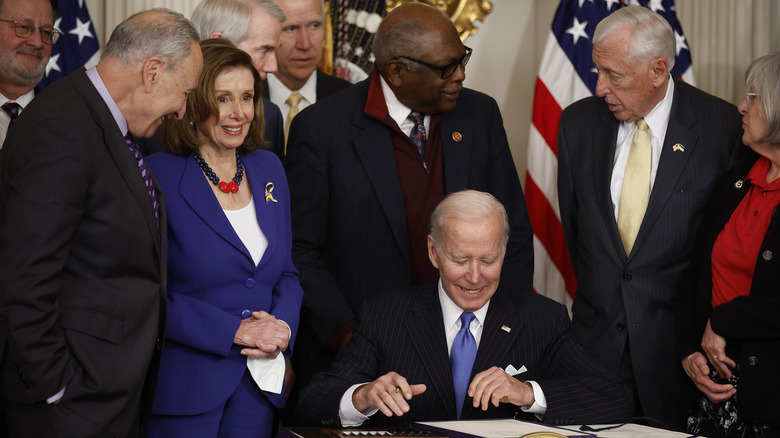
x,y
212,280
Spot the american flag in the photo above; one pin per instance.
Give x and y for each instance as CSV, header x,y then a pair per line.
x,y
566,75
78,45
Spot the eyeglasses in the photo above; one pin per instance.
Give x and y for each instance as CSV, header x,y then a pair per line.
x,y
447,70
749,98
49,35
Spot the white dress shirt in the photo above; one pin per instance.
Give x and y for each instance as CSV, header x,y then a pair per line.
x,y
400,112
657,121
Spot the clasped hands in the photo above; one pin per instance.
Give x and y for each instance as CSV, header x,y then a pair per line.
x,y
696,367
391,392
263,335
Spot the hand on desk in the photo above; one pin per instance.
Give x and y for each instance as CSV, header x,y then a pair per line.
x,y
265,335
388,393
495,386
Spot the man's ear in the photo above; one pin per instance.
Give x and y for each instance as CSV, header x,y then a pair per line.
x,y
151,73
432,252
394,73
660,71
216,35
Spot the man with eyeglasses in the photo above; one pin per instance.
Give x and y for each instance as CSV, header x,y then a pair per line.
x,y
368,165
26,35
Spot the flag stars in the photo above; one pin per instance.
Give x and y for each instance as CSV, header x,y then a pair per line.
x,y
81,30
611,3
681,44
577,30
52,64
582,2
656,5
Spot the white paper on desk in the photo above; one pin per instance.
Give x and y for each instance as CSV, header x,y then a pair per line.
x,y
632,431
499,428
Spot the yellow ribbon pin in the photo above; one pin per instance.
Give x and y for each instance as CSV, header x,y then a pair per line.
x,y
268,189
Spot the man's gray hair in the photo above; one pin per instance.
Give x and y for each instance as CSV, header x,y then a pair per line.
x,y
470,206
157,32
652,36
231,18
763,78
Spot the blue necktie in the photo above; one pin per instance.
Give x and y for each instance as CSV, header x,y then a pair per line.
x,y
464,351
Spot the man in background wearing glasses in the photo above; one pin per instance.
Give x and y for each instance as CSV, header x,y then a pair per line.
x,y
26,35
365,176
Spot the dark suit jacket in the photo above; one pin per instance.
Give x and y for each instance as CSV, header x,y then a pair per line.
x,y
213,279
82,265
403,331
326,85
749,323
624,300
274,134
349,224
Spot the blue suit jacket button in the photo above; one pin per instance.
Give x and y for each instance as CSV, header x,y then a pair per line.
x,y
250,282
246,314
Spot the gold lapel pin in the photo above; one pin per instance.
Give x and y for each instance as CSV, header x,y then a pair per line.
x,y
269,188
678,147
456,136
506,329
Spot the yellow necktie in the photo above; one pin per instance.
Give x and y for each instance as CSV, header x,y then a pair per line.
x,y
636,186
292,101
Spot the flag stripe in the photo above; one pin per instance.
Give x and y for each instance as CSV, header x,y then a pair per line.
x,y
546,114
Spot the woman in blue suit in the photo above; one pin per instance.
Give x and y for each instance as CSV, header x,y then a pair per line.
x,y
233,292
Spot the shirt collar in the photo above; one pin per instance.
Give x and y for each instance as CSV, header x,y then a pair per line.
x,y
397,111
100,86
658,118
451,312
23,100
279,92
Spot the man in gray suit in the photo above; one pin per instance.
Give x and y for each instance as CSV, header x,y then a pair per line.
x,y
635,171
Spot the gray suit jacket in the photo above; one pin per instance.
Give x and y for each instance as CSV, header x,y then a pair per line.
x,y
628,300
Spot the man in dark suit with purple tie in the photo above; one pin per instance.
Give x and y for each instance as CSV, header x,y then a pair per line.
x,y
83,237
464,347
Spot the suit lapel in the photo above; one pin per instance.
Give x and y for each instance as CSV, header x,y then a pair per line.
x,y
456,155
373,145
120,153
682,130
432,350
196,192
265,208
498,335
604,141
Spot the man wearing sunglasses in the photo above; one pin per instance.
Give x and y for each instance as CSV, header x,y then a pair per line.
x,y
368,166
26,35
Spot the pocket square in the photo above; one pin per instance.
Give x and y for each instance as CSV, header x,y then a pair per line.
x,y
512,371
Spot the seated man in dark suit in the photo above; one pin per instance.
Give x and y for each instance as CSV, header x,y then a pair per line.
x,y
516,357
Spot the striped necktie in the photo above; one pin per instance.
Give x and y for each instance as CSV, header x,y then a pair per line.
x,y
146,174
13,109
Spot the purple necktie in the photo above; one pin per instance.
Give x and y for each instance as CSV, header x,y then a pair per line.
x,y
13,109
418,131
145,174
462,355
